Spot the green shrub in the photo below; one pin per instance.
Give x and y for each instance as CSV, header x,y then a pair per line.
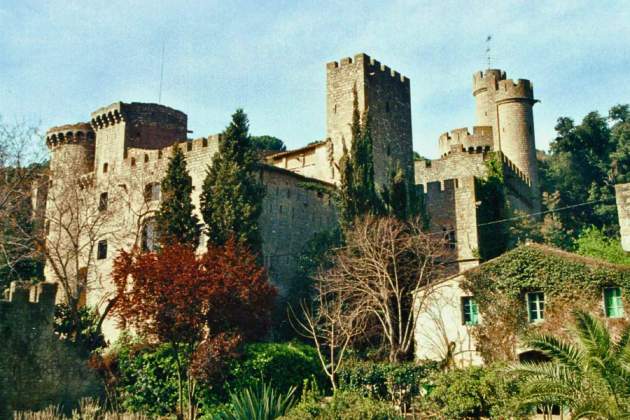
x,y
147,380
395,382
282,365
475,392
346,405
259,403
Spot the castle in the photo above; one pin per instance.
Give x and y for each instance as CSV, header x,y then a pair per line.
x,y
105,174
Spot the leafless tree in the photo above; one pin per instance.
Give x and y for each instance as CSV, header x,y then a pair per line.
x,y
330,325
379,273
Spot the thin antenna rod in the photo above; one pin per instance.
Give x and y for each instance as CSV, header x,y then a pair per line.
x,y
161,72
488,49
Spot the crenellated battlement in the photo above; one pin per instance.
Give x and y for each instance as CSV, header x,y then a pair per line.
x,y
510,169
370,63
508,89
69,133
137,156
487,80
460,139
21,293
138,113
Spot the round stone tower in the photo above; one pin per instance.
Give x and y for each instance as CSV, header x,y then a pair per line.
x,y
515,136
484,89
71,148
506,106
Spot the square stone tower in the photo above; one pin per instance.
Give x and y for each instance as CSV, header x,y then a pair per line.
x,y
386,94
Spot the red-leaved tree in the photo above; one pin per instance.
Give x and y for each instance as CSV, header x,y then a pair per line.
x,y
204,306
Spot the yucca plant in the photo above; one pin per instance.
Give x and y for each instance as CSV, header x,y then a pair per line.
x,y
259,403
590,377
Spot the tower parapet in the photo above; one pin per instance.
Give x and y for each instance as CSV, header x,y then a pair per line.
x,y
386,94
480,140
72,149
508,90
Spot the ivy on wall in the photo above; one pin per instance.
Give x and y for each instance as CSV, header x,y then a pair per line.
x,y
493,238
569,281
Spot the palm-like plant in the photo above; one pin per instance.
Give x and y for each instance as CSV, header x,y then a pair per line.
x,y
590,377
259,403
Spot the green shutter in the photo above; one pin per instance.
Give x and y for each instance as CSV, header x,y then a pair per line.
x,y
613,304
470,311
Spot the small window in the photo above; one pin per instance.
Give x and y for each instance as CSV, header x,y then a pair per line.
x,y
470,311
189,146
387,106
204,142
159,154
101,250
152,192
102,202
148,236
536,306
146,158
613,305
133,161
105,168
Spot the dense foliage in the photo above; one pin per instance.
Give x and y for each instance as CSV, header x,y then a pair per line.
x,y
568,281
593,242
473,392
268,143
398,383
261,402
584,163
231,196
175,220
203,306
590,375
493,237
84,335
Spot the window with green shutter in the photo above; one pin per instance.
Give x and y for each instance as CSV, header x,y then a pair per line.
x,y
470,311
613,304
536,306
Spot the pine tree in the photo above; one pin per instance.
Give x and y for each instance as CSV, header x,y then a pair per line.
x,y
231,198
175,220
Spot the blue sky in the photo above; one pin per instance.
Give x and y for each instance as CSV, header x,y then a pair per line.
x,y
60,60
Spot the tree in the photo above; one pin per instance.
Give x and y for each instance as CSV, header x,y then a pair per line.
x,y
231,198
594,243
584,163
358,194
268,143
378,273
175,220
591,376
202,306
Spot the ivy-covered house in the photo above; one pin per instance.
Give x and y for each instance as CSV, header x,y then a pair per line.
x,y
482,314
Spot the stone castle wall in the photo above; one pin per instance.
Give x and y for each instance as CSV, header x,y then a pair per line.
x,y
293,211
386,95
450,206
36,369
623,211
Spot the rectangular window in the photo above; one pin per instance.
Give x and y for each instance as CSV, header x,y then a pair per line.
x,y
152,192
148,235
102,202
101,250
613,305
470,311
536,306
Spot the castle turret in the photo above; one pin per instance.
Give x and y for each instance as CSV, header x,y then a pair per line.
x,y
123,125
71,148
507,106
386,94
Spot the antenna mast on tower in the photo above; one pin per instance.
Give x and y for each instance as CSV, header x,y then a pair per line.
x,y
488,49
161,73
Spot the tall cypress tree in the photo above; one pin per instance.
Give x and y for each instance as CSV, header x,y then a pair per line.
x,y
175,221
231,198
358,190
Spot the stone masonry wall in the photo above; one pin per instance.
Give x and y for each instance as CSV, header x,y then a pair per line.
x,y
623,210
36,369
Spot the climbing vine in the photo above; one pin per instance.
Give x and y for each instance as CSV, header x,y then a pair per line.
x,y
493,238
568,281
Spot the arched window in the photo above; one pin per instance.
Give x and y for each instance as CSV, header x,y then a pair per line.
x,y
148,235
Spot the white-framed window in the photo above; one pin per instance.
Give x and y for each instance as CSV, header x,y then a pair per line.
x,y
536,306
